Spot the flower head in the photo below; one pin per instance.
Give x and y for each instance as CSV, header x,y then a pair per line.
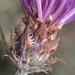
x,y
61,11
33,41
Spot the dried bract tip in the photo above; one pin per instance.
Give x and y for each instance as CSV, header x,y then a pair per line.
x,y
20,28
39,20
49,19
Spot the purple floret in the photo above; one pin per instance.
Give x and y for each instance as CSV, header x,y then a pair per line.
x,y
60,10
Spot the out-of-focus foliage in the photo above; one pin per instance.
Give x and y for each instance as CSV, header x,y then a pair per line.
x,y
10,14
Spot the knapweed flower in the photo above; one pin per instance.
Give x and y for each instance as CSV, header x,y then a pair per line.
x,y
33,41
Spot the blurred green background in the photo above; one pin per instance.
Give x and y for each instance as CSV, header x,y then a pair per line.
x,y
10,14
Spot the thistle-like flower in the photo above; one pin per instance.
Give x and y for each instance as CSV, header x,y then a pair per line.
x,y
33,41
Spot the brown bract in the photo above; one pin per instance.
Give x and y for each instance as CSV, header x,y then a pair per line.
x,y
34,37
